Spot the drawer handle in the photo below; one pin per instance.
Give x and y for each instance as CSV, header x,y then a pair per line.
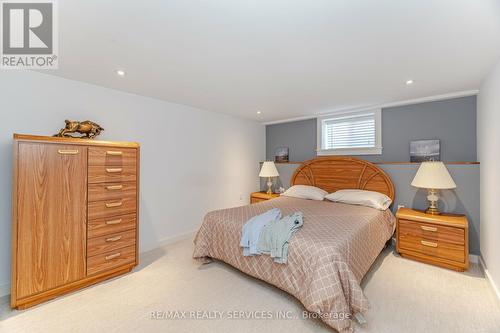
x,y
114,222
113,239
114,170
430,244
426,228
114,204
113,256
68,151
114,153
114,187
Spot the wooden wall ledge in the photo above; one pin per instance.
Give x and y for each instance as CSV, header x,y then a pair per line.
x,y
410,163
419,163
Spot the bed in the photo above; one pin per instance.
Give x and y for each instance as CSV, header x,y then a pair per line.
x,y
329,255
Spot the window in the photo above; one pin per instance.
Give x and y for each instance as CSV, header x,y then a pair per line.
x,y
353,133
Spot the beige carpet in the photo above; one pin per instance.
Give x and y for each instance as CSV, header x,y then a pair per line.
x,y
406,296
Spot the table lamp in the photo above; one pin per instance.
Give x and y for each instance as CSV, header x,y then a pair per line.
x,y
268,170
433,176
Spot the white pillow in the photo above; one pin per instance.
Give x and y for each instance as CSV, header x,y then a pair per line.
x,y
305,192
361,197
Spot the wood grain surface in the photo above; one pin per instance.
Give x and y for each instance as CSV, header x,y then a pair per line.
x,y
71,209
111,191
441,240
111,225
109,242
335,173
112,259
51,240
112,156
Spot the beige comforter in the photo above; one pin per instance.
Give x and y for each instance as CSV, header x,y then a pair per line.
x,y
327,257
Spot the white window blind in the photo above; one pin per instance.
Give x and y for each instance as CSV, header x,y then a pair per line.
x,y
355,133
349,132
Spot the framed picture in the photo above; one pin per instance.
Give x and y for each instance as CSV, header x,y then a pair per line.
x,y
281,155
425,150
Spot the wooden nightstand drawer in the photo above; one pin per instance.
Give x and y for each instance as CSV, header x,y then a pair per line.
x,y
433,248
255,200
262,196
432,232
441,240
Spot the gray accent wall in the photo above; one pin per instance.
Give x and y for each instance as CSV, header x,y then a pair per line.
x,y
298,136
452,121
462,200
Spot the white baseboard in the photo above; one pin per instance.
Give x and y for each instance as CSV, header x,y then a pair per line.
x,y
5,288
490,279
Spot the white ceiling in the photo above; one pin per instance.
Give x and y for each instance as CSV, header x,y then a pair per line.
x,y
287,58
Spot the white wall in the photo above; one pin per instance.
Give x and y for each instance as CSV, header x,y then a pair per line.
x,y
488,148
192,161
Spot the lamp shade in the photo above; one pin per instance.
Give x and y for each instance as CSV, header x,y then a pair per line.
x,y
268,170
433,175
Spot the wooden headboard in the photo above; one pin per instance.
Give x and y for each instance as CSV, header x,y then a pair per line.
x,y
341,172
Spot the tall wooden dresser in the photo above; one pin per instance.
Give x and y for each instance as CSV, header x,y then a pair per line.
x,y
75,215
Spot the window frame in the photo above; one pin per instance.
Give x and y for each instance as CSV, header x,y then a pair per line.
x,y
377,150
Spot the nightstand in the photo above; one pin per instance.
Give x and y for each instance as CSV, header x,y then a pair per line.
x,y
441,240
262,196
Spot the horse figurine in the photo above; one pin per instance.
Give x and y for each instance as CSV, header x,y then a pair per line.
x,y
88,128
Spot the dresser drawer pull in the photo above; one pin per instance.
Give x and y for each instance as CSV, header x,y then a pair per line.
x,y
114,170
426,228
114,187
114,222
114,204
113,239
430,244
112,256
68,151
114,153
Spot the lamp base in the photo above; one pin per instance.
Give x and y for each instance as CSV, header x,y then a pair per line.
x,y
269,186
433,211
433,202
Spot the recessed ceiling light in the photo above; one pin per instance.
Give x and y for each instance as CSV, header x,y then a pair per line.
x,y
120,72
259,112
409,82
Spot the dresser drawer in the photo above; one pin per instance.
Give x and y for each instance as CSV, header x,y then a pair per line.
x,y
433,248
111,208
111,259
432,232
112,156
107,226
111,191
111,174
110,242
